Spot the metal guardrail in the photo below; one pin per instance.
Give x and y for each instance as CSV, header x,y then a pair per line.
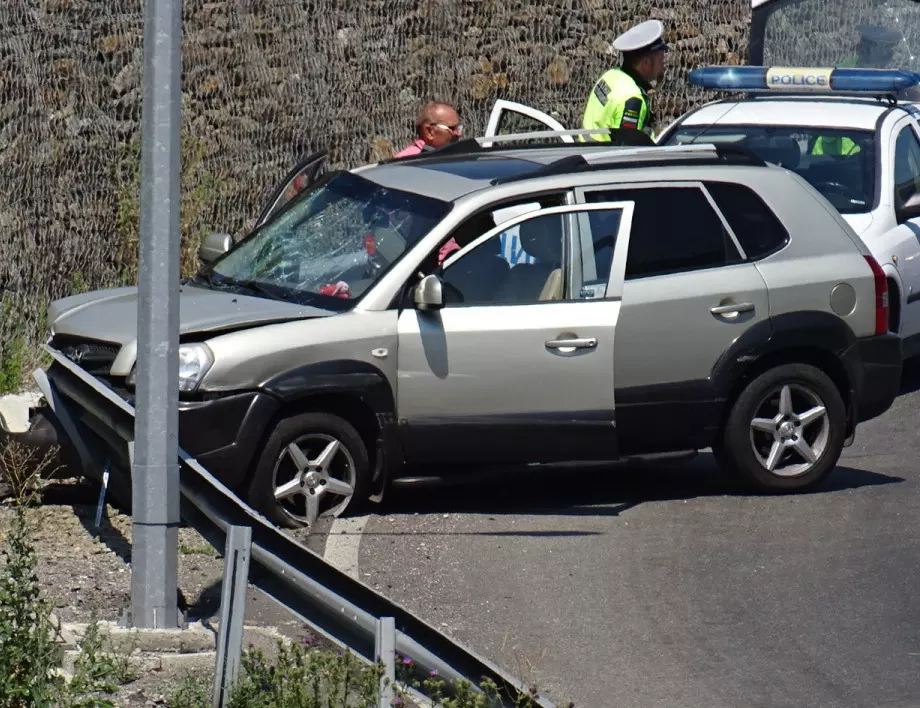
x,y
100,424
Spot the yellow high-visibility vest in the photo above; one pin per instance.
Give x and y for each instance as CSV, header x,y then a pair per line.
x,y
616,101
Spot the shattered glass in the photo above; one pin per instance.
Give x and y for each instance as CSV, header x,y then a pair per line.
x,y
345,232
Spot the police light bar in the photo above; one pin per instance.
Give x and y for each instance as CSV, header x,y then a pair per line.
x,y
803,80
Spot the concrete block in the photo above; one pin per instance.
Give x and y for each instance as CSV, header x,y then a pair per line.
x,y
177,663
67,638
195,638
144,662
265,639
14,411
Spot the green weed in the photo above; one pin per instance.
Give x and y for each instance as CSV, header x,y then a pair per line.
x,y
12,348
29,651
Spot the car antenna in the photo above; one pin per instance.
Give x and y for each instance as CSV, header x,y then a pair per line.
x,y
706,129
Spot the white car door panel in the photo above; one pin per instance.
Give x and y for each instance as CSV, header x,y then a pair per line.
x,y
903,240
523,118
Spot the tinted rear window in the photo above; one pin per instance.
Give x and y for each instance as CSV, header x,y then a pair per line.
x,y
758,230
674,230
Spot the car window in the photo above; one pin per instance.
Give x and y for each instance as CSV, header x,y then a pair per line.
x,y
597,232
484,275
299,178
906,165
755,225
674,229
511,248
822,33
477,224
513,122
841,164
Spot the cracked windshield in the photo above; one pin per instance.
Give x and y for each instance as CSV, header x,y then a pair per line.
x,y
332,242
857,33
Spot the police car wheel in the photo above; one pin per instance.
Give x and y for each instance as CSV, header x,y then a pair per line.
x,y
786,430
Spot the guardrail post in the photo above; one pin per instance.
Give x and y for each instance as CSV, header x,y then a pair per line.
x,y
232,612
100,503
385,652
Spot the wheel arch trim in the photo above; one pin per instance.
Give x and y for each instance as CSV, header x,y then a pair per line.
x,y
358,382
815,337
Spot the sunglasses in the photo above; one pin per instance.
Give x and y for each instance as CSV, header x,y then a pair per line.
x,y
455,129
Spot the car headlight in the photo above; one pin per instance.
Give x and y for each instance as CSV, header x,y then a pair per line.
x,y
194,362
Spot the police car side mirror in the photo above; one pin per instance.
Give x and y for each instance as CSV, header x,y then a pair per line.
x,y
910,209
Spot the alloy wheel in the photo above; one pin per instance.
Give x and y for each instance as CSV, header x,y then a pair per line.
x,y
314,476
790,431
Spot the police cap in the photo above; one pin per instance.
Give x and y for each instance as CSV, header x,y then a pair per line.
x,y
644,37
879,36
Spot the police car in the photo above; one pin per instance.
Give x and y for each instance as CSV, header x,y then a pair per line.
x,y
853,134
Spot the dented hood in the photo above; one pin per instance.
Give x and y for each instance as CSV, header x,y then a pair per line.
x,y
111,315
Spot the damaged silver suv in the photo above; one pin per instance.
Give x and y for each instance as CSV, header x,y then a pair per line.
x,y
529,305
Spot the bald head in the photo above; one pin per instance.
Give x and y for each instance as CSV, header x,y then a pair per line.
x,y
438,124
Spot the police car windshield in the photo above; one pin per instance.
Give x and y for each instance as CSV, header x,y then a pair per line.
x,y
330,243
846,33
838,163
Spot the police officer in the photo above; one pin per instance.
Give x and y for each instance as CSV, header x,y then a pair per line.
x,y
619,99
875,49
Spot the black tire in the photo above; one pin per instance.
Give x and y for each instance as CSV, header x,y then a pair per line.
x,y
262,487
736,449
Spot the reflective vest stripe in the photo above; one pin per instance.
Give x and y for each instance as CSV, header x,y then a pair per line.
x,y
607,105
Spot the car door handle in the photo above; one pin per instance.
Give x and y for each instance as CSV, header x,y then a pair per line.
x,y
576,343
735,308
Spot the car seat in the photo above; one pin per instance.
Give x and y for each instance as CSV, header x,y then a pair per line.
x,y
537,282
480,274
780,150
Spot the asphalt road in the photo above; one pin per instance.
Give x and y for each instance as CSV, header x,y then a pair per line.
x,y
659,585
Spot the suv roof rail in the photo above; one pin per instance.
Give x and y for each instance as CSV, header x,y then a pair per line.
x,y
625,158
484,144
623,153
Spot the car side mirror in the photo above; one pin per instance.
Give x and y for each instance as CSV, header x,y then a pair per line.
x,y
214,246
910,209
429,294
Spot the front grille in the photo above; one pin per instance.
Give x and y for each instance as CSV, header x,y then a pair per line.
x,y
91,355
117,384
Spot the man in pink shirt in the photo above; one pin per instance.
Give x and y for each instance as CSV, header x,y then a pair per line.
x,y
437,125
